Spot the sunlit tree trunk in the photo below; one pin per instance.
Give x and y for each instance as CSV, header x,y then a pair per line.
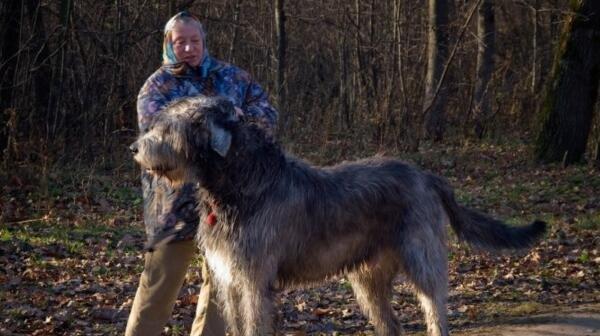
x,y
567,110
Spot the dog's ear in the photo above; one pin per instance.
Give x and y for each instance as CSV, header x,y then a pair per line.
x,y
220,121
220,138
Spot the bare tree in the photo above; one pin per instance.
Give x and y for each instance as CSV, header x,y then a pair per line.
x,y
344,85
567,111
437,54
486,32
281,49
9,33
41,69
535,73
237,7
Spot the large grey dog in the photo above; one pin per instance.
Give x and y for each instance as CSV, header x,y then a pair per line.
x,y
272,221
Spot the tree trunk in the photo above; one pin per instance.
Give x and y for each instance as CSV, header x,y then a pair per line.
x,y
9,33
56,123
359,74
535,73
373,81
437,54
40,65
237,8
567,112
172,7
344,87
485,65
281,49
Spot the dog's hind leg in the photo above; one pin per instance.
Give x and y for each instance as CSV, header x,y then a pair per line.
x,y
372,285
425,263
434,308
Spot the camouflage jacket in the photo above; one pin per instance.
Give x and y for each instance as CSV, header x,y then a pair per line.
x,y
170,214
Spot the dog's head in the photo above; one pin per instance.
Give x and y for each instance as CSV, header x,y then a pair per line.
x,y
184,132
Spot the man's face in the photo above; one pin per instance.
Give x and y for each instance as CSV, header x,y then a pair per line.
x,y
187,44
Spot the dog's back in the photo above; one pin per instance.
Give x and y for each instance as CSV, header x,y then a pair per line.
x,y
325,221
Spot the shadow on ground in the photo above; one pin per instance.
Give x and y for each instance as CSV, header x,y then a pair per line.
x,y
575,324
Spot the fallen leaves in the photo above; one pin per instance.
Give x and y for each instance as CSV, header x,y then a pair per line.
x,y
76,271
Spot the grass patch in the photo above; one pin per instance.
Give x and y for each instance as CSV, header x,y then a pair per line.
x,y
588,222
525,308
345,285
464,197
73,239
514,310
584,256
38,240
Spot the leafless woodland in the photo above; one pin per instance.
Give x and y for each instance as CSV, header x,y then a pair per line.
x,y
371,74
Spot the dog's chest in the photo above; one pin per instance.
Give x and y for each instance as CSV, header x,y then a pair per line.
x,y
221,265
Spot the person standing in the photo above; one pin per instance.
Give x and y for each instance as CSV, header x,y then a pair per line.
x,y
170,214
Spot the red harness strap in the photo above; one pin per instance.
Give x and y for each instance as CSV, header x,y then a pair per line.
x,y
211,219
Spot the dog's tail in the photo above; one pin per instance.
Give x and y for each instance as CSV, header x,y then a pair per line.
x,y
481,230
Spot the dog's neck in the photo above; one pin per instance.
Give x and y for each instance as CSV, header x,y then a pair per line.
x,y
246,173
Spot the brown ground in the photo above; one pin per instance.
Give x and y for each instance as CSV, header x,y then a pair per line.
x,y
70,254
565,324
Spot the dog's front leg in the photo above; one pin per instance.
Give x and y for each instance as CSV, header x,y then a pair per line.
x,y
257,308
228,289
230,298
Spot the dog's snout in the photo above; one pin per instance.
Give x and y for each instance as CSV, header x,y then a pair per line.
x,y
134,148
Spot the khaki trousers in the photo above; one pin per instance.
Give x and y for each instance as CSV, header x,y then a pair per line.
x,y
160,283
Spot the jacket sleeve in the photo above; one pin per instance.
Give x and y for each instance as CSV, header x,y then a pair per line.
x,y
150,101
169,213
256,104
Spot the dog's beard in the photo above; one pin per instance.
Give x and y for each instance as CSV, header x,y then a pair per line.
x,y
176,177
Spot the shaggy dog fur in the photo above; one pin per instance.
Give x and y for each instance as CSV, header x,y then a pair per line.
x,y
271,221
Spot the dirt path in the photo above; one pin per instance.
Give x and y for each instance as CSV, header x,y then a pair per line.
x,y
574,324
